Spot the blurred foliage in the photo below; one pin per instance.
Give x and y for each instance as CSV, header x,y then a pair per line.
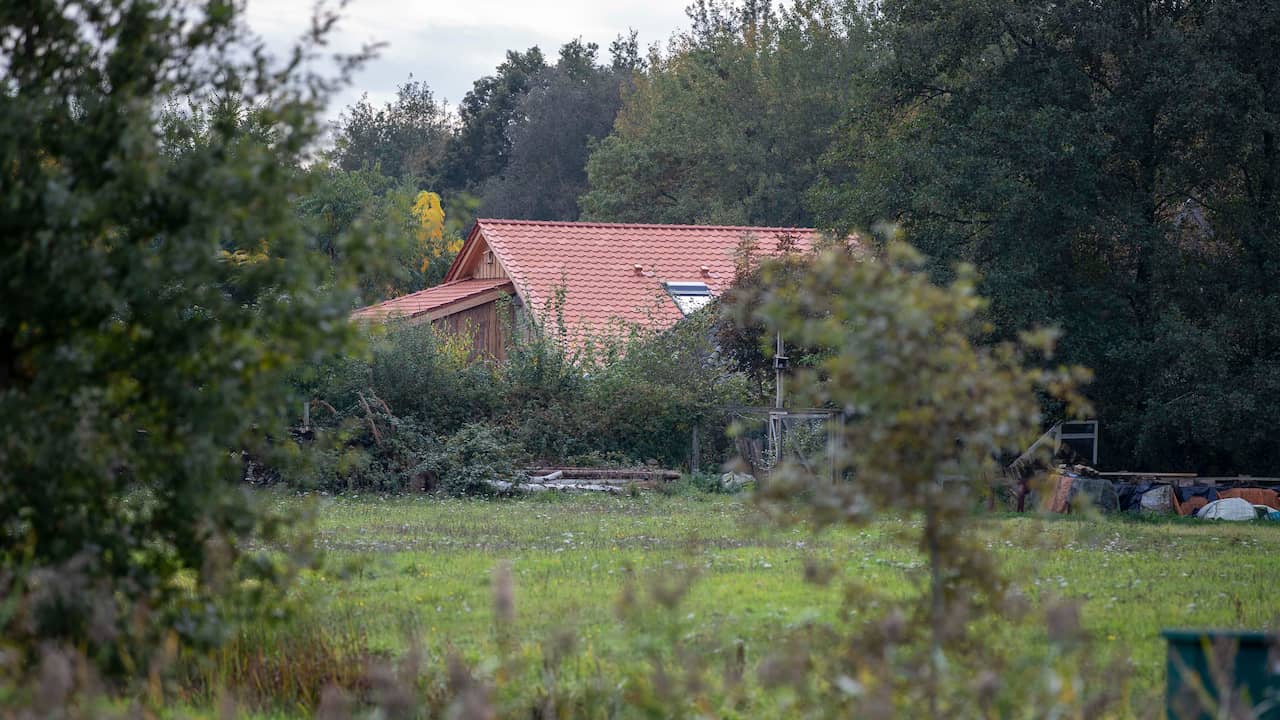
x,y
740,334
924,413
157,290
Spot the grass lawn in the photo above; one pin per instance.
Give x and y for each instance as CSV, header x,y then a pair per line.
x,y
421,567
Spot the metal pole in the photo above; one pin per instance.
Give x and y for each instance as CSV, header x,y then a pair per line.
x,y
777,372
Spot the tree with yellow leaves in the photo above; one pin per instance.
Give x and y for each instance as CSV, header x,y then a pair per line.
x,y
422,230
428,214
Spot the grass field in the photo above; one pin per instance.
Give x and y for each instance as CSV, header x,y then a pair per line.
x,y
418,567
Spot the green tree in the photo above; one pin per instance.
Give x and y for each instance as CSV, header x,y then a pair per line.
x,y
481,147
405,139
729,124
155,295
417,243
337,201
1111,169
571,105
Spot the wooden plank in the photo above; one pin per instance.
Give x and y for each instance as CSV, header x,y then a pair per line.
x,y
1187,479
483,327
503,486
1239,480
465,261
622,475
1127,473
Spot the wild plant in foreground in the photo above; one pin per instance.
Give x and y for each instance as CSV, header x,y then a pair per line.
x,y
925,411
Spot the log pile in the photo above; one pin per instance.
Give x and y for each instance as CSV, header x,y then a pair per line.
x,y
613,480
607,475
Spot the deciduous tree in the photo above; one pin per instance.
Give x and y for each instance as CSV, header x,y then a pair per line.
x,y
571,105
405,139
480,149
153,298
1109,168
728,125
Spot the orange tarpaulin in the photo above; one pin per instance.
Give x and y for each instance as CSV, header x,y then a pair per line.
x,y
1255,496
1190,506
1061,501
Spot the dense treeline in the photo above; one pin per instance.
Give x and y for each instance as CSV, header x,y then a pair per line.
x,y
516,147
1110,169
731,124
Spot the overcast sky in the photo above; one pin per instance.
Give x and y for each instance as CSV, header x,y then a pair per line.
x,y
450,43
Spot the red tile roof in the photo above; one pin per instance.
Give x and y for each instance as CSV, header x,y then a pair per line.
x,y
615,272
426,301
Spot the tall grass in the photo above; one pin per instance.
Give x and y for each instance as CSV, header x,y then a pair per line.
x,y
284,666
682,605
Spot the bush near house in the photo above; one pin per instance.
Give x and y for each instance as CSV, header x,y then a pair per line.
x,y
417,413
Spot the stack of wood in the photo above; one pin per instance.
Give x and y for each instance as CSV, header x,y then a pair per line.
x,y
589,479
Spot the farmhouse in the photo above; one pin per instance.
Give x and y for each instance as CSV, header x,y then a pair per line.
x,y
593,278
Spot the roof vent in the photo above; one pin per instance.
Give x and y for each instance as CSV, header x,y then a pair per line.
x,y
706,271
639,269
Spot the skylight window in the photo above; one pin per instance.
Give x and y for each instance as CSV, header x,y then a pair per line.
x,y
689,296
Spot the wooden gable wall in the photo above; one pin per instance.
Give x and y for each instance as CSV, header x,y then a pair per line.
x,y
484,324
488,266
477,260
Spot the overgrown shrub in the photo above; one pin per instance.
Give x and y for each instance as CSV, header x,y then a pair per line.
x,y
379,420
375,451
418,374
405,415
648,401
930,410
475,456
542,390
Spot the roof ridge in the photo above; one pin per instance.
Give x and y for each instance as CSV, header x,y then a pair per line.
x,y
665,226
